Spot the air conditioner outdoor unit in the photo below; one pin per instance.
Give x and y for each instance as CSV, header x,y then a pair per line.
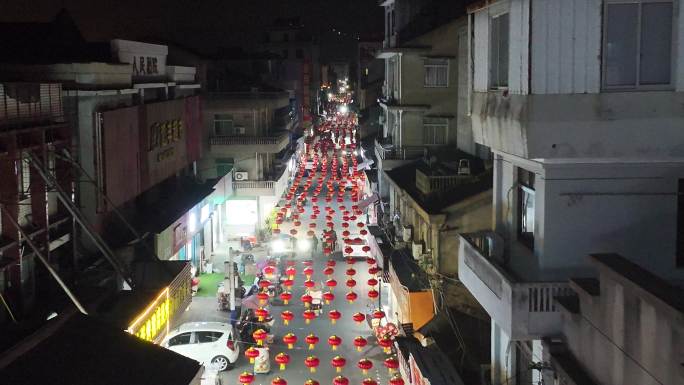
x,y
407,233
241,175
416,250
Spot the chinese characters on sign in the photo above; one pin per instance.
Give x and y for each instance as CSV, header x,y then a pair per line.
x,y
163,134
145,65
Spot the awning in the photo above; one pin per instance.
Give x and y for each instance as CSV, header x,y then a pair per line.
x,y
368,201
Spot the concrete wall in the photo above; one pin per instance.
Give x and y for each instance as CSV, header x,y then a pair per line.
x,y
583,208
626,335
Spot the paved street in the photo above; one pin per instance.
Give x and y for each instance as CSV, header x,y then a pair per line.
x,y
205,309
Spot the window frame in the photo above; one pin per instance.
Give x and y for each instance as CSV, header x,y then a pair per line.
x,y
433,125
604,41
525,188
190,339
445,66
232,120
492,16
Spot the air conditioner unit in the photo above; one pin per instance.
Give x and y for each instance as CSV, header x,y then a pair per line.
x,y
407,233
241,175
416,250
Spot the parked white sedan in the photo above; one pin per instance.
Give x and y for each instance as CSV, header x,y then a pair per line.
x,y
209,343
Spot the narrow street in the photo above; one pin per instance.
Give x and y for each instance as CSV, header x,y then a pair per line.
x,y
324,209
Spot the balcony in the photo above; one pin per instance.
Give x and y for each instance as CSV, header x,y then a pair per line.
x,y
385,150
524,310
226,145
599,125
255,188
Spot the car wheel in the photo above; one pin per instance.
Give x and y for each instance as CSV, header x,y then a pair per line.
x,y
221,363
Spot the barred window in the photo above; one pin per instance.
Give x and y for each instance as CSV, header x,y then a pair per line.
x,y
436,72
435,130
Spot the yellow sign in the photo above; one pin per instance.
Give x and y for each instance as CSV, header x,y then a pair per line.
x,y
154,319
164,133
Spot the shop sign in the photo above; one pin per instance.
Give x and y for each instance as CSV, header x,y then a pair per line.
x,y
163,134
145,65
154,319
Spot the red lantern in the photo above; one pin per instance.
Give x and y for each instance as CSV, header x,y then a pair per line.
x,y
365,365
334,315
351,282
366,249
391,364
261,313
263,297
290,339
373,294
309,283
278,381
312,363
360,343
331,283
363,232
372,282
329,271
348,250
385,343
346,233
309,315
351,272
351,297
306,300
360,224
350,260
286,316
311,382
282,359
251,353
334,341
330,263
312,340
286,296
373,270
297,223
340,380
328,297
371,261
269,270
264,283
345,225
378,314
396,380
259,336
288,283
246,378
327,250
338,363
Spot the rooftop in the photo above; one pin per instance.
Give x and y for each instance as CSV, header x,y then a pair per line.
x,y
58,353
408,271
405,178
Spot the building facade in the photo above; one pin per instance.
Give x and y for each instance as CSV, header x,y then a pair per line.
x,y
586,156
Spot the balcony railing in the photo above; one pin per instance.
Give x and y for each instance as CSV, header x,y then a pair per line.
x,y
398,153
525,310
253,184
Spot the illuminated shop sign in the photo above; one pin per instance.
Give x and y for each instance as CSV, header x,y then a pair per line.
x,y
154,319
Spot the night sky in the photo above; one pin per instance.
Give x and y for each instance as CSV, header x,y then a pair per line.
x,y
203,25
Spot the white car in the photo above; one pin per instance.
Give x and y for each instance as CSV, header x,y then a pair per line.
x,y
209,343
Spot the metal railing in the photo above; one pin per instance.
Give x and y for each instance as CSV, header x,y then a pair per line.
x,y
253,184
247,95
399,153
248,140
24,103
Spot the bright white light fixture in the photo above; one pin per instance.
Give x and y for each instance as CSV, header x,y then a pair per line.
x,y
343,109
192,222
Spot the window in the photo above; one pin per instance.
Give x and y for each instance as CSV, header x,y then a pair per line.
x,y
206,337
637,48
435,130
223,166
680,224
498,51
181,339
223,125
526,208
300,53
436,72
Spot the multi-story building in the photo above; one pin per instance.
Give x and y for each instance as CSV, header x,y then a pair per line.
x,y
251,134
370,76
425,89
298,69
579,103
32,128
